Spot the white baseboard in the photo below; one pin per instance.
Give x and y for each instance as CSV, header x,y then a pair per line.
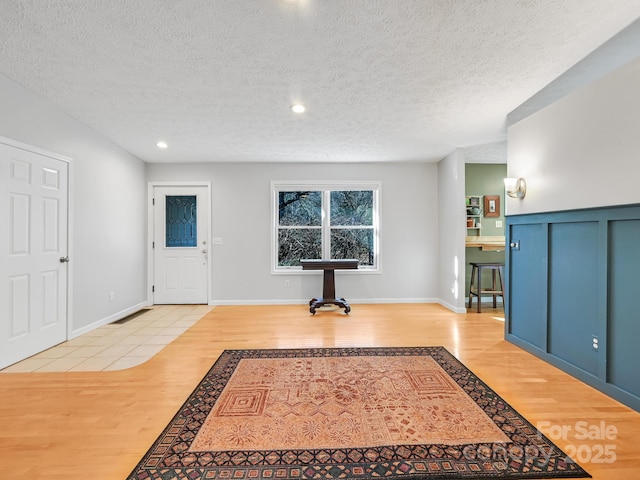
x,y
355,301
451,307
110,319
298,301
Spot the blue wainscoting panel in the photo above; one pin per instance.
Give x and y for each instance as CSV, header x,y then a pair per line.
x,y
573,293
624,298
572,276
527,284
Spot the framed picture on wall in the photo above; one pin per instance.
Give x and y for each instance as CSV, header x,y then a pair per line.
x,y
492,205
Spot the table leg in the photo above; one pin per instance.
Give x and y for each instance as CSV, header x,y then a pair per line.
x,y
328,294
329,285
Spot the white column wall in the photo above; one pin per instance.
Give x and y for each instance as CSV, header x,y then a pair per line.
x,y
581,151
451,231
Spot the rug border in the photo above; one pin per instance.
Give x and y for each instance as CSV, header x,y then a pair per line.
x,y
362,352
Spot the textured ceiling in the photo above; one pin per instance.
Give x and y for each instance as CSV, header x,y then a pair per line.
x,y
383,80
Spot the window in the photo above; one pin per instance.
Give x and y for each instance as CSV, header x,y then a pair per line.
x,y
313,221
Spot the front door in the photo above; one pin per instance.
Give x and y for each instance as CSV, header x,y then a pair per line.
x,y
180,245
33,251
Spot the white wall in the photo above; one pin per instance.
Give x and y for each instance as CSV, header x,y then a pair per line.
x,y
241,213
581,151
451,231
107,206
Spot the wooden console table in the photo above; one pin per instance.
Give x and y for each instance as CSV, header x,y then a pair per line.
x,y
329,284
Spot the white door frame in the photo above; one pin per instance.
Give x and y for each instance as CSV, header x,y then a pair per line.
x,y
70,251
150,233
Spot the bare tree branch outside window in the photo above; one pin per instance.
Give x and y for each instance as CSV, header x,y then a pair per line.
x,y
348,231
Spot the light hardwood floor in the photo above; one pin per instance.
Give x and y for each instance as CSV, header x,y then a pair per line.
x,y
97,425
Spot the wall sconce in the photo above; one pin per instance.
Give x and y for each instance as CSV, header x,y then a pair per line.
x,y
515,187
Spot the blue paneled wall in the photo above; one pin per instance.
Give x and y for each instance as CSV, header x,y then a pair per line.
x,y
573,277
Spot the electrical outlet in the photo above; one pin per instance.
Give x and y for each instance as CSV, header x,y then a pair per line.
x,y
112,296
594,343
286,284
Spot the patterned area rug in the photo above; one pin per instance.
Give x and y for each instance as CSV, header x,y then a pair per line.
x,y
358,413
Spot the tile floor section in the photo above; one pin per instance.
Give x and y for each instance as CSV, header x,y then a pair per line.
x,y
118,345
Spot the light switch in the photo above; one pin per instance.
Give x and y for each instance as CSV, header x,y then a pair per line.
x,y
498,223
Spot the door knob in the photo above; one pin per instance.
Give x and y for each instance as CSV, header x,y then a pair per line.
x,y
64,259
204,250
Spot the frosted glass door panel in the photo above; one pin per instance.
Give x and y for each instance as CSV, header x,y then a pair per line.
x,y
181,218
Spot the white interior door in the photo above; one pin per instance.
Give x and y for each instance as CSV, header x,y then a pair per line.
x,y
33,258
180,248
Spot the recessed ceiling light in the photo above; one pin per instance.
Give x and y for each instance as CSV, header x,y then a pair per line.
x,y
162,145
298,108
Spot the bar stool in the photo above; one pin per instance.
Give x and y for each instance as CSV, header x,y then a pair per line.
x,y
476,276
